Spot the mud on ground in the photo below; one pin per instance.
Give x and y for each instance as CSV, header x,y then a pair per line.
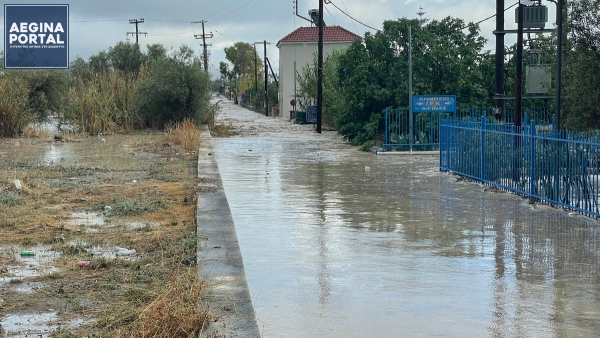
x,y
80,199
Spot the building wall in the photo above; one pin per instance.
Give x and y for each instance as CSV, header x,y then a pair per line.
x,y
304,55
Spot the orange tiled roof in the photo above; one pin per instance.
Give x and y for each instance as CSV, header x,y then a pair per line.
x,y
311,34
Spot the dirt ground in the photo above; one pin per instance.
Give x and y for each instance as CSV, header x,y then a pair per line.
x,y
73,203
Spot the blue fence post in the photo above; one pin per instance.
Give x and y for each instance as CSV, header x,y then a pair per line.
x,y
472,113
441,138
386,130
532,158
449,139
483,148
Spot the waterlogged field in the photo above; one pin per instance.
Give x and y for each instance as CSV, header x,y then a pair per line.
x,y
62,224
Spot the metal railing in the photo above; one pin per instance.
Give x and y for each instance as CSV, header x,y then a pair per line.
x,y
426,134
559,168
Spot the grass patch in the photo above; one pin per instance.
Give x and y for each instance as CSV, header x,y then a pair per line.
x,y
132,207
186,134
9,199
222,130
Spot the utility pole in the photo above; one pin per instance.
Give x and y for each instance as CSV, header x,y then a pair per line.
x,y
137,31
255,70
559,25
204,36
500,57
266,75
320,70
519,76
421,13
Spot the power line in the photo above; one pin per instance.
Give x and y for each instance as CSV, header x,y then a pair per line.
x,y
228,17
327,9
356,29
231,4
452,4
276,23
348,15
283,23
489,17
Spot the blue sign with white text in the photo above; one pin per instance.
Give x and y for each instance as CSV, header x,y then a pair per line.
x,y
433,103
311,114
36,36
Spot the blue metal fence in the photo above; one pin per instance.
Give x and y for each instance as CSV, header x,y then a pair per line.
x,y
426,130
426,125
533,160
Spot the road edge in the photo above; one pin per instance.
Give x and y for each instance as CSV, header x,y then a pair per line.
x,y
219,257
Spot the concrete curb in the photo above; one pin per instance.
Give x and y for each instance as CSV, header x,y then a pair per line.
x,y
219,257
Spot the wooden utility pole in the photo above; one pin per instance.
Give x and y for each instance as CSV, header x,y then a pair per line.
x,y
204,36
137,31
266,76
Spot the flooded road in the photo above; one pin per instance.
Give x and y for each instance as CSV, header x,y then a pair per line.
x,y
340,243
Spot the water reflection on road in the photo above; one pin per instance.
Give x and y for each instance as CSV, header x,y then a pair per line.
x,y
338,243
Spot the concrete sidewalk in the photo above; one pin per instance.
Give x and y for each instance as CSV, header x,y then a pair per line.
x,y
219,257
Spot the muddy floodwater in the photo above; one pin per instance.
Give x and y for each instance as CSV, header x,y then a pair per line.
x,y
341,243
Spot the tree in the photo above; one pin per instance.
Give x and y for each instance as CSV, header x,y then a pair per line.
x,y
177,88
241,56
373,72
156,51
99,63
126,57
581,86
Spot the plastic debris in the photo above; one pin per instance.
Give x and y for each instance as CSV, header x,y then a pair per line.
x,y
18,185
107,208
83,264
27,253
119,251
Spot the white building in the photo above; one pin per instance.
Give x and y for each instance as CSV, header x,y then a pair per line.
x,y
297,50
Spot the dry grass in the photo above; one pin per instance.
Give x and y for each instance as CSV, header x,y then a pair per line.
x,y
221,130
186,134
159,293
176,312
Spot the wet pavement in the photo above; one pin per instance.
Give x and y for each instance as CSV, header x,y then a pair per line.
x,y
341,243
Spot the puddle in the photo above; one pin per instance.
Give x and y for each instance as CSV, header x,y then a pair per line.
x,y
35,325
29,266
87,219
98,251
28,287
95,222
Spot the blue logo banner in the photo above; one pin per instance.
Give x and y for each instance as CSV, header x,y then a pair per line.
x,y
36,36
433,103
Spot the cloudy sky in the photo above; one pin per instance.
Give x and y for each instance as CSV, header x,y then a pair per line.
x,y
99,24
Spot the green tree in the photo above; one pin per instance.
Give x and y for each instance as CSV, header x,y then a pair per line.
x,y
177,88
447,59
241,55
581,85
99,63
156,51
126,57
